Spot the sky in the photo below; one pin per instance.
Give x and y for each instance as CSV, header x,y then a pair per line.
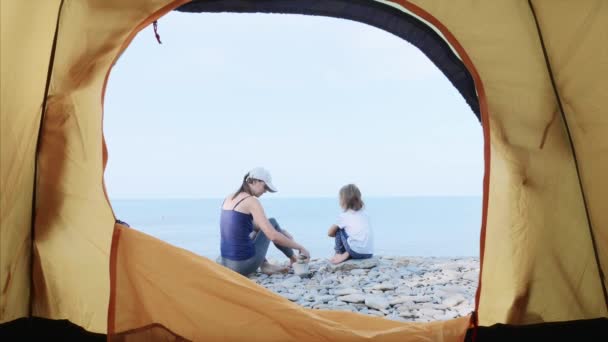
x,y
320,102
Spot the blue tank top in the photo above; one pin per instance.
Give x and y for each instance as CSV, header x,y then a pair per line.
x,y
235,228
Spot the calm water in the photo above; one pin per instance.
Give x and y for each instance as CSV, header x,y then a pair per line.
x,y
406,226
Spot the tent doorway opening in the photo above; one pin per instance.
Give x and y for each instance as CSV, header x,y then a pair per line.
x,y
186,133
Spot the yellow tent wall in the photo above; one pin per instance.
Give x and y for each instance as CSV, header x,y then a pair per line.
x,y
74,221
26,33
538,262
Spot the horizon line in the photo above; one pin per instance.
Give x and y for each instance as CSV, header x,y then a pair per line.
x,y
285,197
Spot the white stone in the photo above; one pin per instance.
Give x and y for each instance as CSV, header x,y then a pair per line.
x,y
295,279
292,296
298,292
336,303
454,300
376,302
309,297
321,306
375,313
358,271
327,281
288,284
471,276
325,298
430,312
354,264
353,298
401,300
384,286
422,299
346,291
401,262
408,314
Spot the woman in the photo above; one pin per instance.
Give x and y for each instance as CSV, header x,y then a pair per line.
x,y
246,232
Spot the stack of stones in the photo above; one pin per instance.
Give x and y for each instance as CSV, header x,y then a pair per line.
x,y
411,289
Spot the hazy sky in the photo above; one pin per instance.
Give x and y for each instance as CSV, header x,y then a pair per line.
x,y
320,102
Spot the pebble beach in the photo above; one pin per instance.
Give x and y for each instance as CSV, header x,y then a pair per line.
x,y
413,289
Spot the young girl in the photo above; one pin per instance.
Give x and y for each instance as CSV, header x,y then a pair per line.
x,y
352,231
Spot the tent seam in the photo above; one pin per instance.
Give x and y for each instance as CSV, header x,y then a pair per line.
x,y
38,144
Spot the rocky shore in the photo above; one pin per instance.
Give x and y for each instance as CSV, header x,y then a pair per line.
x,y
413,289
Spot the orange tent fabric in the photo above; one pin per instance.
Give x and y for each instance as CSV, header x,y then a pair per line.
x,y
544,238
196,299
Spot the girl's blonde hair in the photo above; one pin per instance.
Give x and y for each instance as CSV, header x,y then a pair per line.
x,y
350,197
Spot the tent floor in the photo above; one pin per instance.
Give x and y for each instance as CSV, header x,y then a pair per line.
x,y
580,330
40,329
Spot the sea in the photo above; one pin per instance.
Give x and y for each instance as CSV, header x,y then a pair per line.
x,y
402,226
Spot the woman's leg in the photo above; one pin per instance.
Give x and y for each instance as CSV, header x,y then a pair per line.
x,y
244,267
261,243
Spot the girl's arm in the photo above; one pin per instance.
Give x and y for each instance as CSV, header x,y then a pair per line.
x,y
332,230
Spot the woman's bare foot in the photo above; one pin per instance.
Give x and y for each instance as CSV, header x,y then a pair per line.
x,y
338,258
268,268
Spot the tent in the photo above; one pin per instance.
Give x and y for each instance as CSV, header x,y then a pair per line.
x,y
535,72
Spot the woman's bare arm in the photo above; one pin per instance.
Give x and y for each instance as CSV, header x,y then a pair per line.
x,y
259,218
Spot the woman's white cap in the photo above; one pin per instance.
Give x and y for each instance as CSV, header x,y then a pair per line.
x,y
263,175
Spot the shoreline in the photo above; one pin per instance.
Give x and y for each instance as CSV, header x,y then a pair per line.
x,y
412,289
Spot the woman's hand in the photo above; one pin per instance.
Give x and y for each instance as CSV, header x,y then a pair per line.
x,y
304,251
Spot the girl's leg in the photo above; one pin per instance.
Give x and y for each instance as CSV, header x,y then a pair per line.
x,y
355,255
351,254
339,242
341,247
